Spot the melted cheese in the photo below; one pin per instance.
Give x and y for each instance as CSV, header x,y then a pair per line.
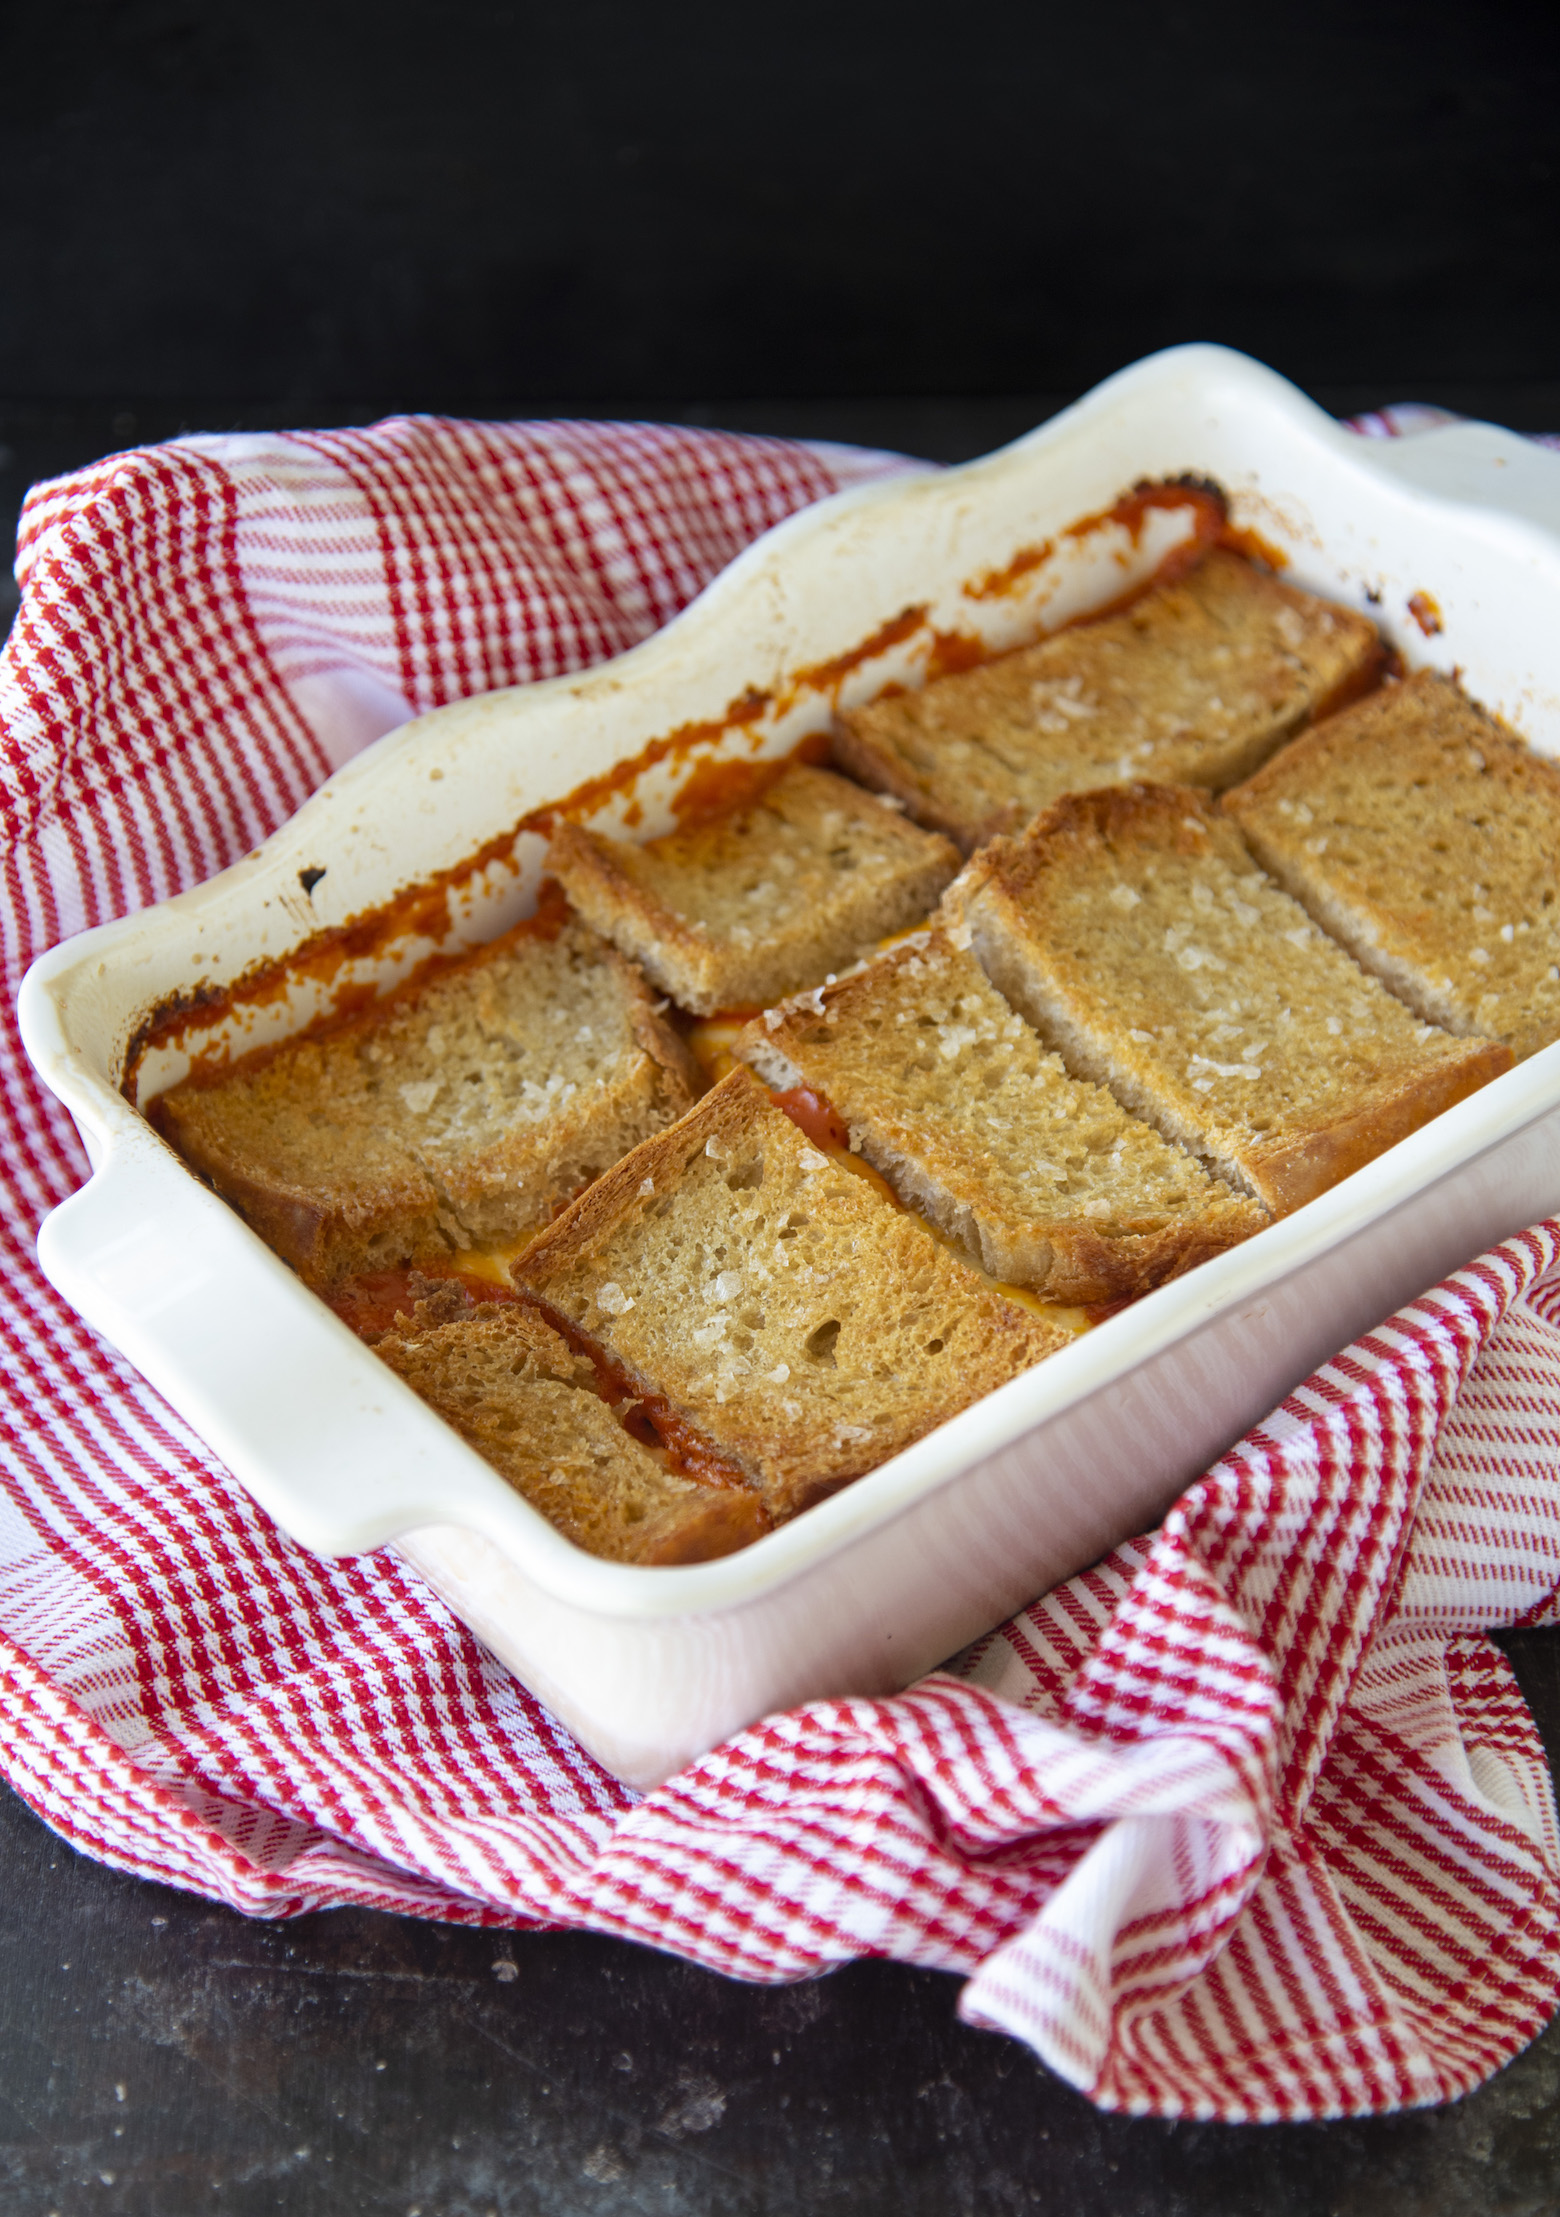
x,y
710,1043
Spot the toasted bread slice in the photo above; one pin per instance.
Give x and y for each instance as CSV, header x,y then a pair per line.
x,y
1043,1178
520,1395
803,1324
1196,683
1134,929
760,901
462,1112
1426,837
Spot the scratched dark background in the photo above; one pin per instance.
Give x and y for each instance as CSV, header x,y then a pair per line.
x,y
500,203
914,226
898,221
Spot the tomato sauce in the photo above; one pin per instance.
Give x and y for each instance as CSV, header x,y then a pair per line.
x,y
1426,613
817,1117
674,747
1210,527
375,1301
371,1302
650,1417
823,677
721,788
424,910
322,958
1242,540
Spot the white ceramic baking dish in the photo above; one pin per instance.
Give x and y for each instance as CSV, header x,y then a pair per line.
x,y
651,1666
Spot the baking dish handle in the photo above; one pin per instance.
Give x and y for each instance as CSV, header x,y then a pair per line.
x,y
1476,465
296,1406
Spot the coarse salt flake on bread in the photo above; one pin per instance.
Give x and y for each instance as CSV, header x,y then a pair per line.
x,y
1136,931
529,1404
1196,683
1044,1179
803,1324
763,898
1426,837
461,1112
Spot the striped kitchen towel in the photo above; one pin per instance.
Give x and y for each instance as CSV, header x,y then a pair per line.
x,y
1248,1821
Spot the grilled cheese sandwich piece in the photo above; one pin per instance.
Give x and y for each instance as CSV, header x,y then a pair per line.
x,y
1136,932
806,1327
1196,683
1042,1178
530,1405
461,1112
761,900
1426,837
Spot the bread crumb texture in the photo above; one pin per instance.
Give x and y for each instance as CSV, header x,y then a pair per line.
x,y
464,1112
516,1392
1042,1178
763,900
1135,929
1196,683
807,1327
1426,837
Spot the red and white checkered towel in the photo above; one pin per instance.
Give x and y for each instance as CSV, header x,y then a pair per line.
x,y
1250,1821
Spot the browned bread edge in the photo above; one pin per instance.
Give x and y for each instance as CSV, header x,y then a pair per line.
x,y
1071,1262
989,896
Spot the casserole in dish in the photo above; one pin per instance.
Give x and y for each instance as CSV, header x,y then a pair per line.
x,y
869,1589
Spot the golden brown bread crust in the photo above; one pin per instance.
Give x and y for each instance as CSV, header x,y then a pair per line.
x,y
1134,929
897,1337
1308,1160
760,900
462,1111
515,1391
595,871
1196,683
1043,1179
1426,837
804,1325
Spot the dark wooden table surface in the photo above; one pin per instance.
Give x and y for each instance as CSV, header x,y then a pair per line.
x,y
165,2058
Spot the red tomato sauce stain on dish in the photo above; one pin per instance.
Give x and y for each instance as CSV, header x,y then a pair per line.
x,y
422,911
1211,511
672,746
721,788
952,651
426,910
173,1024
1422,607
1241,539
821,677
996,584
1210,524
